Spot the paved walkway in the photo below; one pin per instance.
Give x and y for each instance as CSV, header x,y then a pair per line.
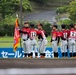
x,y
48,15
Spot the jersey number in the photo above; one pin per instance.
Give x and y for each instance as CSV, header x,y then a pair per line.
x,y
73,34
65,35
33,34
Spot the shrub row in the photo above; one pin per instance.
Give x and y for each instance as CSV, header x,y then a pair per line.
x,y
6,30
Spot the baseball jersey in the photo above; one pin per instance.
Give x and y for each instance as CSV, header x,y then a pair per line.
x,y
72,34
64,34
54,35
27,31
41,34
33,33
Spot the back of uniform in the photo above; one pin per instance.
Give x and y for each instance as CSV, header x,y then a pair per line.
x,y
64,37
33,36
71,41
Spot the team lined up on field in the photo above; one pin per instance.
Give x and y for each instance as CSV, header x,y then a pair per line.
x,y
30,34
67,42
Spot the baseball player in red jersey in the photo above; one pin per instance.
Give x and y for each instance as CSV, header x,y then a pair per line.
x,y
26,41
75,38
33,36
54,40
64,38
42,41
75,26
71,40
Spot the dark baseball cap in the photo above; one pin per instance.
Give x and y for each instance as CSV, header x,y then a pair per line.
x,y
26,22
72,25
63,25
40,24
32,25
55,26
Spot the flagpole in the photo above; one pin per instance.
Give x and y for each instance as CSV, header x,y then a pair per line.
x,y
20,23
21,14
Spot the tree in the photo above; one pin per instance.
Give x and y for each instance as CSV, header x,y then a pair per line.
x,y
41,2
72,10
8,7
26,5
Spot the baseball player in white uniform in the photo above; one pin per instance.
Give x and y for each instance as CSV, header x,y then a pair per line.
x,y
71,41
55,40
26,41
42,41
64,37
75,38
33,36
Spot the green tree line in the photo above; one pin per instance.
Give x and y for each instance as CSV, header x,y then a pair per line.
x,y
70,9
9,8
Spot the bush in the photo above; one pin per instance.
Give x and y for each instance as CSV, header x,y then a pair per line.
x,y
9,29
6,30
62,9
67,22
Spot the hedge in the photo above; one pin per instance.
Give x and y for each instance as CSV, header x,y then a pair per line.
x,y
6,30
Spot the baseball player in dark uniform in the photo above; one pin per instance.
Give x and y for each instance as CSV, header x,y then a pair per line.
x,y
42,41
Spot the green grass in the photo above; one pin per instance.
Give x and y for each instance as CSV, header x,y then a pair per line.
x,y
8,42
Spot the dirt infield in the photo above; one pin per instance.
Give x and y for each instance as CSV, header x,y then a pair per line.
x,y
37,63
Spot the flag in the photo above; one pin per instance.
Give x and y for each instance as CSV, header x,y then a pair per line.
x,y
16,35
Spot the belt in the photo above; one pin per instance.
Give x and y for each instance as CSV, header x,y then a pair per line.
x,y
64,39
71,39
54,40
31,39
24,39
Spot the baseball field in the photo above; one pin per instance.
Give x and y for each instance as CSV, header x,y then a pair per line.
x,y
8,42
33,66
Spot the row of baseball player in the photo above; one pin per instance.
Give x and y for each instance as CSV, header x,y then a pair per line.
x,y
66,38
30,36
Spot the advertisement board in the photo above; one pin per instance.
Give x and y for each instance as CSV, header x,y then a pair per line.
x,y
9,53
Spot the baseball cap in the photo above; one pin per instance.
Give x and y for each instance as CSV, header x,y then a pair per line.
x,y
55,26
63,25
40,24
32,25
26,22
71,25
